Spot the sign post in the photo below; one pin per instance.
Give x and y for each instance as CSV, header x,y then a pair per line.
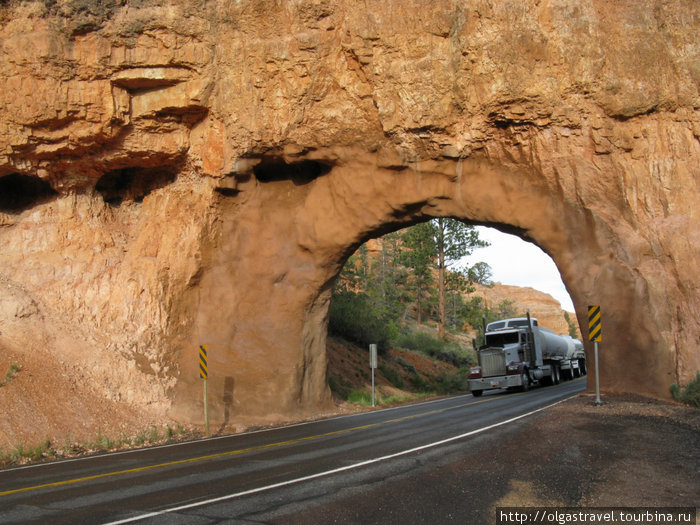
x,y
204,374
594,334
373,364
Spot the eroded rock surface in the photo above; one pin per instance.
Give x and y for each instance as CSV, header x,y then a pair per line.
x,y
183,173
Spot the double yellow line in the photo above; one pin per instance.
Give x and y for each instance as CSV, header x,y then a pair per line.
x,y
230,452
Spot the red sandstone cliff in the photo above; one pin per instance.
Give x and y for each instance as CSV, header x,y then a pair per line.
x,y
196,172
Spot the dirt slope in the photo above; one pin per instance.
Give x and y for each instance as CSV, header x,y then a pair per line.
x,y
45,399
399,371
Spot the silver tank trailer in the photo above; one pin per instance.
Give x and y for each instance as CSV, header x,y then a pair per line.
x,y
554,345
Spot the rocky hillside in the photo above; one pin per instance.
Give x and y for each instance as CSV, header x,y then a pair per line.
x,y
543,306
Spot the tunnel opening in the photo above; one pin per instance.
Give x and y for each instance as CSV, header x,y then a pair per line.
x,y
20,192
133,184
375,300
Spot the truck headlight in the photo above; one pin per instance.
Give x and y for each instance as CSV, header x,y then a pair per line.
x,y
475,372
512,369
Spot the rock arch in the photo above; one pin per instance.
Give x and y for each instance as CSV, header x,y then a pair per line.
x,y
317,224
200,170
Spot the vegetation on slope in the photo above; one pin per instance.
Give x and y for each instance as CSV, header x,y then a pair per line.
x,y
407,295
690,395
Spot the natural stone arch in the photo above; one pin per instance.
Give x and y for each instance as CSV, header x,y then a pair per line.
x,y
319,220
195,172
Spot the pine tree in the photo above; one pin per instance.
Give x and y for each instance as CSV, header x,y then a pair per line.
x,y
453,240
404,270
418,257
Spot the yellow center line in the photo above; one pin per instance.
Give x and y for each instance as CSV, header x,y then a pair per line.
x,y
230,452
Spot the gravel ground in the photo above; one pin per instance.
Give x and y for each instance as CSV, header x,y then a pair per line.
x,y
631,451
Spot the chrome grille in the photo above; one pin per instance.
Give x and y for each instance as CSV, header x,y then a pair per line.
x,y
493,362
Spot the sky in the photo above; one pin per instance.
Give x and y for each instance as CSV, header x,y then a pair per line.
x,y
519,263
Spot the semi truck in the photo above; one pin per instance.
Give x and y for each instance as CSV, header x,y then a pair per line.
x,y
518,353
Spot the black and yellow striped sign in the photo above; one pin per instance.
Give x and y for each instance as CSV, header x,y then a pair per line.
x,y
594,332
203,362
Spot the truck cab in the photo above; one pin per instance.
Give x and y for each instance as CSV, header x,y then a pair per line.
x,y
504,356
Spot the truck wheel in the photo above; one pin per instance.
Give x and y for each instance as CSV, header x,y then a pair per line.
x,y
526,383
477,393
582,365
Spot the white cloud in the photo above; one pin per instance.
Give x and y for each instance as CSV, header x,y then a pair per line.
x,y
519,263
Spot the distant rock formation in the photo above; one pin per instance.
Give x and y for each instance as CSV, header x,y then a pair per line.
x,y
543,306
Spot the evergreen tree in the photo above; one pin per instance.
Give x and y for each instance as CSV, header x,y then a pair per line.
x,y
573,328
388,278
403,272
355,273
506,309
453,240
418,257
481,273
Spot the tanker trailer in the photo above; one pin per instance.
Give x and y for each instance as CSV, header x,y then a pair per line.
x,y
518,353
566,351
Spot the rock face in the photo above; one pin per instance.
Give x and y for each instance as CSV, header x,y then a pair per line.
x,y
196,172
545,308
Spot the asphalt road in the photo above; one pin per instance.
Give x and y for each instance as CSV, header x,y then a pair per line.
x,y
268,476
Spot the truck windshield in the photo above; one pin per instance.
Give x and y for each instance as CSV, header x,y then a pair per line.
x,y
502,338
496,326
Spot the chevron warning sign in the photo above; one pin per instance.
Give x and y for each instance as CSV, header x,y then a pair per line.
x,y
203,373
594,331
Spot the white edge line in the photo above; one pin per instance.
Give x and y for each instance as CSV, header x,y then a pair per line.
x,y
216,438
334,471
